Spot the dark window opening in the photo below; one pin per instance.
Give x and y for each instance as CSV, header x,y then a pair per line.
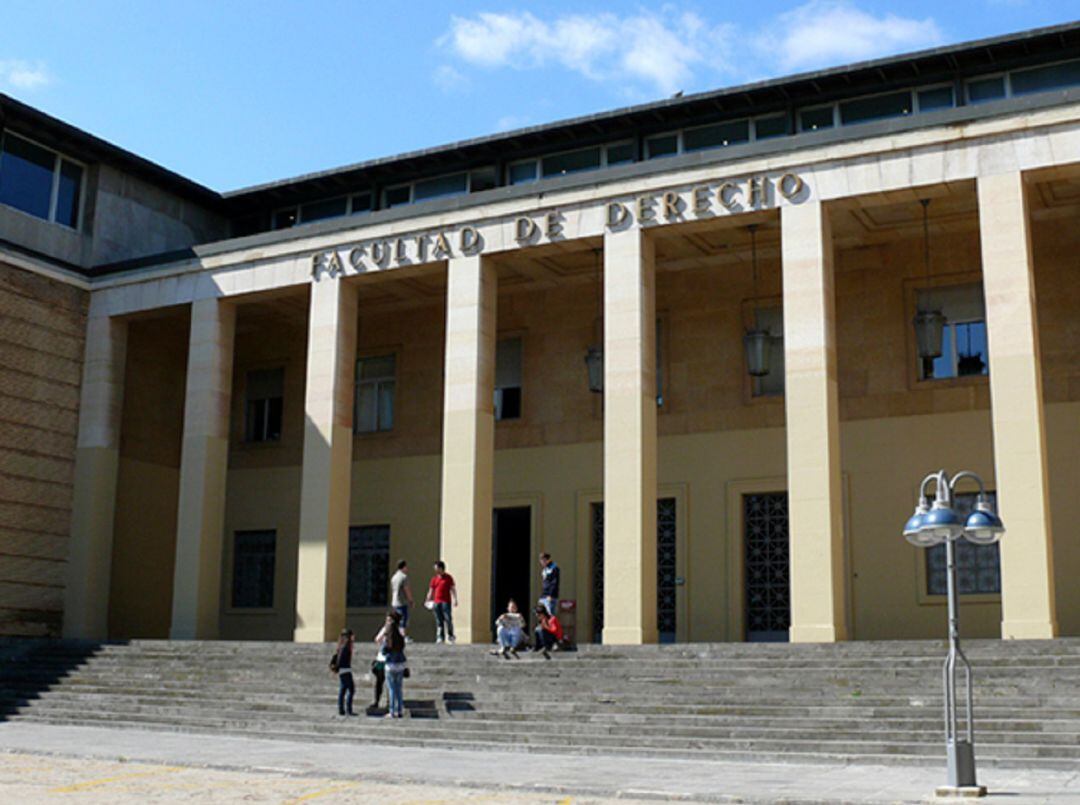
x,y
369,566
253,569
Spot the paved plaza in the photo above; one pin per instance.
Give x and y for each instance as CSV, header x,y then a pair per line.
x,y
43,763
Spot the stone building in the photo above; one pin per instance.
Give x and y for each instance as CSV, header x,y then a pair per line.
x,y
228,415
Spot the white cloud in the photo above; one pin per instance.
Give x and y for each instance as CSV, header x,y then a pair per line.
x,y
663,50
510,122
23,75
825,32
448,79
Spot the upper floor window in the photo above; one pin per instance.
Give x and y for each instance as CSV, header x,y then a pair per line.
x,y
981,90
253,569
978,567
263,406
963,341
39,181
876,107
772,384
375,381
821,117
508,379
1051,76
369,566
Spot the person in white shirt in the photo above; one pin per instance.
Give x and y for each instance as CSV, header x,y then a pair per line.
x,y
401,596
510,629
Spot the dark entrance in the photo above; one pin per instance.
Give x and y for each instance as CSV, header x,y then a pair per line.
x,y
767,567
511,560
666,570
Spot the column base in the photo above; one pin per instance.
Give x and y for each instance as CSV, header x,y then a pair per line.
x,y
627,636
311,634
816,633
1029,630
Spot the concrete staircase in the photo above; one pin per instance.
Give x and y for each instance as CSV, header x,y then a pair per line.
x,y
853,702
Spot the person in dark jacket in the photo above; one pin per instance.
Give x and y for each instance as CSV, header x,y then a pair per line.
x,y
549,632
549,583
346,685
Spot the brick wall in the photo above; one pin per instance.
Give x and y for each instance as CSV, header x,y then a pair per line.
x,y
42,328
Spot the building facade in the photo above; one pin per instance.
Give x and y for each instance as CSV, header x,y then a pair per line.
x,y
227,416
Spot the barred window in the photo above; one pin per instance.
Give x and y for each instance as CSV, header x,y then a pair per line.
x,y
253,569
369,566
978,567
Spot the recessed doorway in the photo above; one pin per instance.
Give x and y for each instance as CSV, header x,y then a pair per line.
x,y
511,559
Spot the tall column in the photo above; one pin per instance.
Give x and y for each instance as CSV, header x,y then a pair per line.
x,y
326,482
1027,555
815,523
629,438
97,457
469,441
204,458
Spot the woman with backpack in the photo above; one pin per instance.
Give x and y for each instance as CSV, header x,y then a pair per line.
x,y
393,646
342,664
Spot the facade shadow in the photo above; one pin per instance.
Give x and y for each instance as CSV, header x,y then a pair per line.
x,y
30,667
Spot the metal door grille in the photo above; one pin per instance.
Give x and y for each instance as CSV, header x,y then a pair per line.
x,y
768,582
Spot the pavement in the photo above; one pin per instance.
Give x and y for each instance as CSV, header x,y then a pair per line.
x,y
251,769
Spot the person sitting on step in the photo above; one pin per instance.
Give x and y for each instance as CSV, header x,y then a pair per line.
x,y
510,629
549,632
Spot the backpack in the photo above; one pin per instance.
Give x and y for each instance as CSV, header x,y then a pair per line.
x,y
334,663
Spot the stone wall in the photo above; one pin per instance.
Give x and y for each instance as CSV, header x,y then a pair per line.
x,y
42,331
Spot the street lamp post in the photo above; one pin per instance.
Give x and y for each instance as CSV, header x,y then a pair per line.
x,y
930,526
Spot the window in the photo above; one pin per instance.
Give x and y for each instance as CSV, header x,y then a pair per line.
x,y
986,89
663,146
1039,79
765,128
262,411
327,208
772,384
572,162
523,172
716,136
620,153
375,380
253,569
935,98
362,202
395,196
814,119
661,339
283,219
39,181
978,567
369,566
453,185
963,342
508,379
482,179
863,110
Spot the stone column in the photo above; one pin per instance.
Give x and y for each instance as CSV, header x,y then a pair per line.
x,y
1027,555
204,459
629,438
469,441
325,487
97,457
816,526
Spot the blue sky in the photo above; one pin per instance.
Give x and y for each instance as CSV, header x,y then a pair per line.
x,y
235,93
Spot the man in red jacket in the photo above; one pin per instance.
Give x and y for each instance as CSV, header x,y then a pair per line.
x,y
549,632
442,592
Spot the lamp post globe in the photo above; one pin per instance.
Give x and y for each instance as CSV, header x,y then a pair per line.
x,y
983,526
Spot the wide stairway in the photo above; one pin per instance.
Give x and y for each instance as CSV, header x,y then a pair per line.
x,y
851,702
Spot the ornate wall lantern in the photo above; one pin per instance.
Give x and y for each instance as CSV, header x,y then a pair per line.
x,y
594,355
756,340
929,321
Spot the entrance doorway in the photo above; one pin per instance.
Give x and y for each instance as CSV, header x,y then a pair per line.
x,y
767,563
667,569
511,564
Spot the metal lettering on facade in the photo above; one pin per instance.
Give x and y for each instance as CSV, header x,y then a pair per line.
x,y
696,202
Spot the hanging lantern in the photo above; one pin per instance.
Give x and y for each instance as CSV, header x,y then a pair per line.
x,y
756,341
594,364
929,323
594,355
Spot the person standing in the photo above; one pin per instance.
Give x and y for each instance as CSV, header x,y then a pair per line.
x,y
346,685
442,593
401,598
549,583
393,646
